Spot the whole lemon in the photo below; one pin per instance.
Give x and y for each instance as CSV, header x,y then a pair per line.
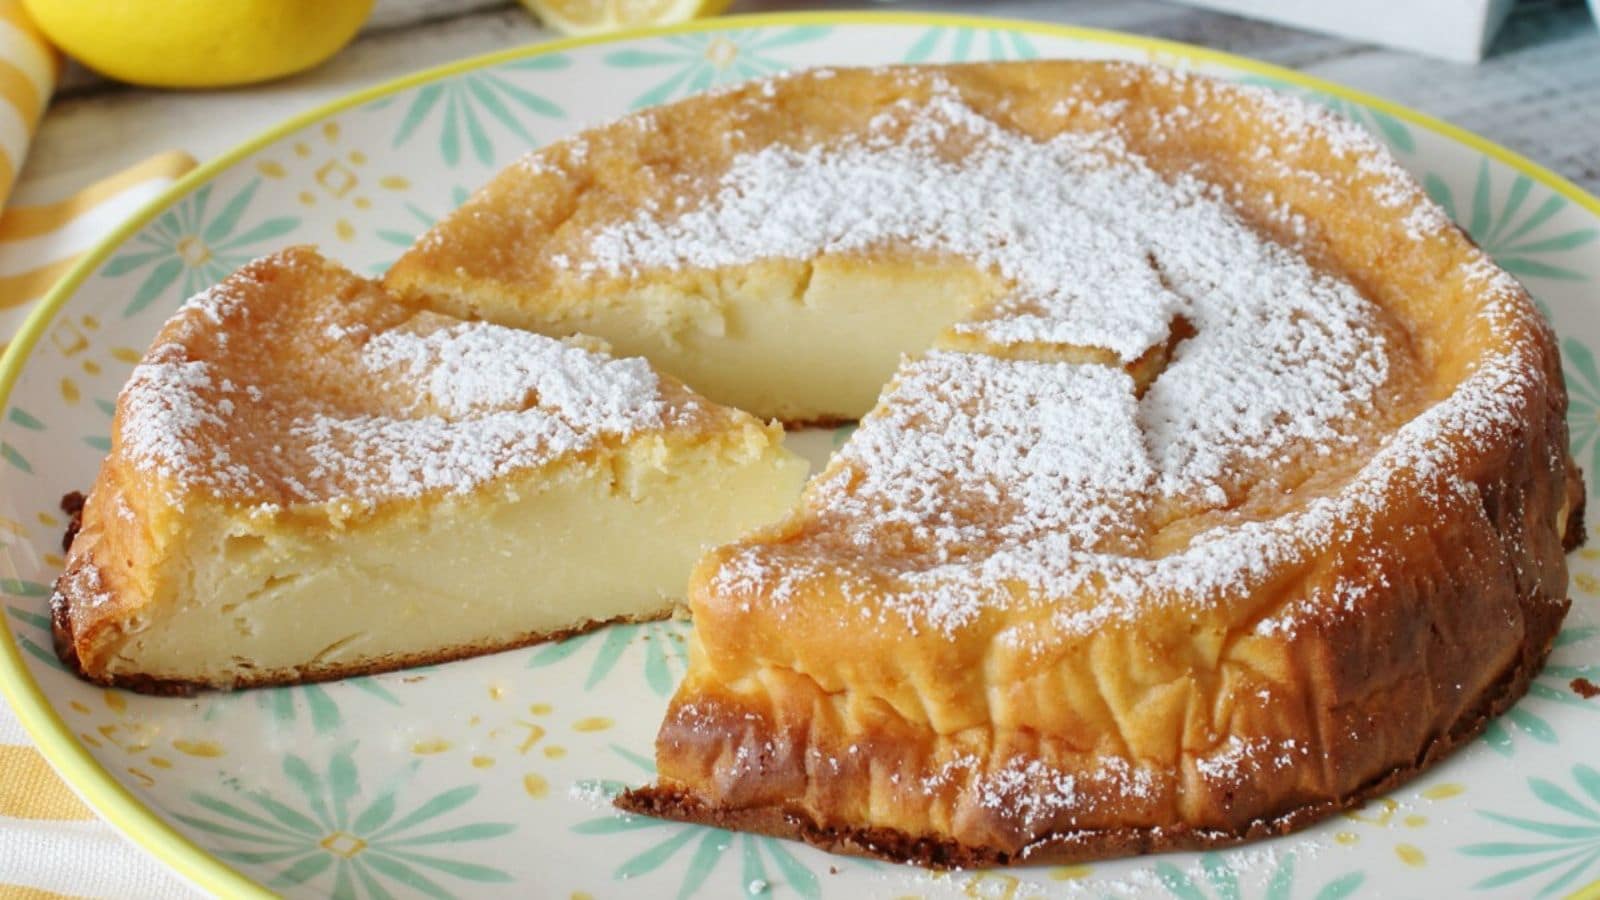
x,y
199,43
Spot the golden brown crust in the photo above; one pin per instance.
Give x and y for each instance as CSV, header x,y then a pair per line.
x,y
940,852
1576,534
819,422
1390,674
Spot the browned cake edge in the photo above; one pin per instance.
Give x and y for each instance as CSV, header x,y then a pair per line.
x,y
1085,845
1081,846
1577,533
818,422
72,504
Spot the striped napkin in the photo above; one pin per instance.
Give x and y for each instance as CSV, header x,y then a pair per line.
x,y
51,845
28,69
38,244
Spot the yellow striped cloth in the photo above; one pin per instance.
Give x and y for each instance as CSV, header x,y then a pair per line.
x,y
51,845
28,70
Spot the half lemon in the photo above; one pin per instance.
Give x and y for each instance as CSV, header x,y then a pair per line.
x,y
580,17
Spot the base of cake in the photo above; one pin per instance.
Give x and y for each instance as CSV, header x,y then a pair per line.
x,y
61,622
1087,845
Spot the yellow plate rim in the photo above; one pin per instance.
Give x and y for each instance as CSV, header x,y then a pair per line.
x,y
110,797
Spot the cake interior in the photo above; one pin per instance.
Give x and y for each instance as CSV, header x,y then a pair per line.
x,y
477,572
804,342
310,480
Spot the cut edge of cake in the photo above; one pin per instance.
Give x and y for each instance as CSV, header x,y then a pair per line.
x,y
498,497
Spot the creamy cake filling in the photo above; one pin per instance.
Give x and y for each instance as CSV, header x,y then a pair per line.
x,y
479,571
309,479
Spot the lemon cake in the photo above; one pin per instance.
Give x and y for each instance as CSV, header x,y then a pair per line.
x,y
308,480
1210,479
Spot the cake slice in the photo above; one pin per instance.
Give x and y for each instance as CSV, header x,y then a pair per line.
x,y
309,479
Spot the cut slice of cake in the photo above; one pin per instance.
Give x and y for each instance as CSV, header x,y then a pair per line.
x,y
309,479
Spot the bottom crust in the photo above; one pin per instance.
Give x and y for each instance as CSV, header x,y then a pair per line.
x,y
818,422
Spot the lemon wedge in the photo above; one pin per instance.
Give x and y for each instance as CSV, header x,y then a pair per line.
x,y
580,17
199,43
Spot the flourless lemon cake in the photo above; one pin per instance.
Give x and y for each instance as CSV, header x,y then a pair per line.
x,y
1225,482
1209,479
308,480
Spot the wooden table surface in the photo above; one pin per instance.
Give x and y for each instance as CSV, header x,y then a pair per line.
x,y
1537,93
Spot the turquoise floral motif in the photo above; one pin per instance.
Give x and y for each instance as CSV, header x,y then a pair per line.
x,y
22,419
370,851
101,442
1583,401
17,460
467,102
282,703
665,648
39,623
1565,842
321,702
1221,881
186,242
765,865
20,416
842,434
403,237
1552,685
1393,131
706,59
1514,233
970,43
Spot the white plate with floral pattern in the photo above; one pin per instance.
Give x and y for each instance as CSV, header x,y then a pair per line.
x,y
490,776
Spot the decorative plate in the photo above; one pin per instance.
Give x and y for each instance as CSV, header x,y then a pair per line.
x,y
491,776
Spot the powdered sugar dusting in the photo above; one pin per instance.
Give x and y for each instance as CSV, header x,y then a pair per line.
x,y
967,451
1029,789
450,406
1282,354
977,473
167,402
471,368
1007,203
1238,759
